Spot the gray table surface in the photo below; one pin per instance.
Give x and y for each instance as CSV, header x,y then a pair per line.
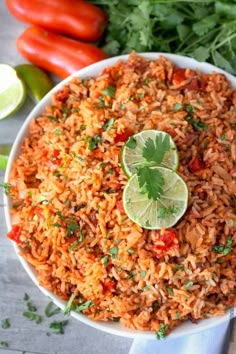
x,y
25,336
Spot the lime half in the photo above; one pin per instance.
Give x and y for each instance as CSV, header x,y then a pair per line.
x,y
12,91
146,149
163,212
4,153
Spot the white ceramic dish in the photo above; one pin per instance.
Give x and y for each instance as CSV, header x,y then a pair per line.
x,y
184,329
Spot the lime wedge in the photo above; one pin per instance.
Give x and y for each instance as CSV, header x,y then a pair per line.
x,y
4,153
12,91
132,153
163,212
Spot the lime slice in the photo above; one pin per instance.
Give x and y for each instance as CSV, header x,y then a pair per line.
x,y
163,212
132,152
12,91
4,153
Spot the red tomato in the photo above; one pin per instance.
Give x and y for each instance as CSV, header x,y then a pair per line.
x,y
169,239
193,85
120,207
55,160
196,165
15,233
109,284
178,76
122,137
55,53
75,18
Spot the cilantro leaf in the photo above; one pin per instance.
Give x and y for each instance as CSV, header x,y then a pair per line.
x,y
224,249
109,91
162,331
86,305
155,151
6,187
58,326
150,182
131,143
69,304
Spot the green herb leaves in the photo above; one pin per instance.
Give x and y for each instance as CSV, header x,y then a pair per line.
x,y
150,182
155,151
162,331
204,30
57,327
33,316
68,307
224,249
6,323
109,91
6,187
93,142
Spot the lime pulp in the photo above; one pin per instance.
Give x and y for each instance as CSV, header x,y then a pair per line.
x,y
12,91
161,213
132,157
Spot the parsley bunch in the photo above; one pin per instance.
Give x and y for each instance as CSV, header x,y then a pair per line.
x,y
204,30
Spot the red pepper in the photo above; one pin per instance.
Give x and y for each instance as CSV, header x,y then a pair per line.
x,y
56,153
120,207
122,137
55,160
196,165
58,54
178,76
74,18
15,233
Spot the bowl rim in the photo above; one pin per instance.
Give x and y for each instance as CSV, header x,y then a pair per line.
x,y
110,327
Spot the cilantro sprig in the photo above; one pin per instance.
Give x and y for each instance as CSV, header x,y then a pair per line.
x,y
204,30
155,151
150,182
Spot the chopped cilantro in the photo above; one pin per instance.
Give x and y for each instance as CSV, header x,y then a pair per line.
x,y
57,224
86,305
31,307
78,242
57,327
58,132
113,251
163,212
6,187
32,316
105,260
143,273
4,344
69,304
50,310
52,118
131,251
109,91
6,323
162,331
223,137
131,274
224,249
93,142
141,95
131,143
58,213
188,284
170,291
177,107
65,111
109,124
205,144
145,288
177,315
71,228
26,297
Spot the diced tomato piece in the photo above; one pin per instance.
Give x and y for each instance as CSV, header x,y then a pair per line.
x,y
120,207
196,165
109,284
178,76
193,85
122,137
168,236
169,239
15,233
56,153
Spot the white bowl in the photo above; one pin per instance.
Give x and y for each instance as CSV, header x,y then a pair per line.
x,y
184,329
